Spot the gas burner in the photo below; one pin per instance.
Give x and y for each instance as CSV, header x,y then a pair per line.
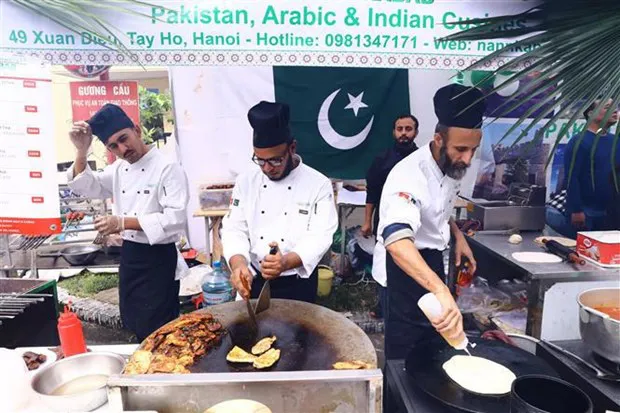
x,y
607,366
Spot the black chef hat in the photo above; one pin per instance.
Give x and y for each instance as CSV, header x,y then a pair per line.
x,y
270,122
452,106
108,120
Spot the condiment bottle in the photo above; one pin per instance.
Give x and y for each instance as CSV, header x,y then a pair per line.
x,y
464,278
431,307
71,333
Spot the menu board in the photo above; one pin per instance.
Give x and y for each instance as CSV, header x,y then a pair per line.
x,y
29,201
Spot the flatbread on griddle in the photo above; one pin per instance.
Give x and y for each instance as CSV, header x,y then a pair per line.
x,y
239,355
263,345
268,359
351,365
479,375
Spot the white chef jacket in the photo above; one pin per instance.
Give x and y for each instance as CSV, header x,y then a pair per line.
x,y
154,190
418,194
298,212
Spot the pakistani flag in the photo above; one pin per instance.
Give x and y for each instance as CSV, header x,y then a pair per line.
x,y
342,117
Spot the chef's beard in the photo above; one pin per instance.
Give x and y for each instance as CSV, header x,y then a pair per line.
x,y
287,170
404,147
455,170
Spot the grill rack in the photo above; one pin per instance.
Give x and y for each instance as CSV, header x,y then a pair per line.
x,y
12,304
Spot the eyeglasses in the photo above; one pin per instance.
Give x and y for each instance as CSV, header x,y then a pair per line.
x,y
276,161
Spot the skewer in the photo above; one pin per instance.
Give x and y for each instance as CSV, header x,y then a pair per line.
x,y
27,244
24,241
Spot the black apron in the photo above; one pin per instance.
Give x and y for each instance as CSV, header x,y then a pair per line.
x,y
290,287
148,293
406,324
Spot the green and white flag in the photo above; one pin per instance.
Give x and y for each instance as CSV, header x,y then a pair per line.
x,y
342,117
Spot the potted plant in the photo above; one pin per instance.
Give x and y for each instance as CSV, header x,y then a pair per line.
x,y
154,111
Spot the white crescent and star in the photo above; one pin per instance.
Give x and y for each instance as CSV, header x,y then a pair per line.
x,y
327,131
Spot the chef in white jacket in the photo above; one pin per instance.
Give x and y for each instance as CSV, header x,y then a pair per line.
x,y
282,203
150,196
415,223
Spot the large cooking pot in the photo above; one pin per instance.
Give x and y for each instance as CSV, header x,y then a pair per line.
x,y
543,394
76,254
600,332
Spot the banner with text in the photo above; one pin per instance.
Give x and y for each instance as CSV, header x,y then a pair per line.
x,y
351,33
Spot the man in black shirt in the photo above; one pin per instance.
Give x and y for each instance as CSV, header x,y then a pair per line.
x,y
613,206
404,132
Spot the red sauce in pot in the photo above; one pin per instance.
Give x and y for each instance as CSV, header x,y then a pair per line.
x,y
613,312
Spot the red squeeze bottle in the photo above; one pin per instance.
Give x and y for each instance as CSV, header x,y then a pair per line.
x,y
71,334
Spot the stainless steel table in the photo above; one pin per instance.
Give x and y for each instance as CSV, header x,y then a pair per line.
x,y
493,254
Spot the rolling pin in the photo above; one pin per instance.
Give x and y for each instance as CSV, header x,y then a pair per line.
x,y
560,250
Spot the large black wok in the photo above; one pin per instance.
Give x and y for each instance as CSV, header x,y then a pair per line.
x,y
309,336
425,363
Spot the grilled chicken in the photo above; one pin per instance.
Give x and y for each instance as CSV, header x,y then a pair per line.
x,y
177,345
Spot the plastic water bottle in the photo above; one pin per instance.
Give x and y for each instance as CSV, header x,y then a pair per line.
x,y
216,287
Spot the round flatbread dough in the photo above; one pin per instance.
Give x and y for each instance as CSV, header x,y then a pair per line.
x,y
536,257
515,239
238,406
479,375
567,242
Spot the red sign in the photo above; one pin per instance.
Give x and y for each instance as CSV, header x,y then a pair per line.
x,y
88,97
33,131
36,174
31,109
34,154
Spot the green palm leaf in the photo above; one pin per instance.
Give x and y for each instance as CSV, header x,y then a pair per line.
x,y
578,59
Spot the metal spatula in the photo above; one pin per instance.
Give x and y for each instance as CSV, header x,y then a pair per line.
x,y
251,312
264,298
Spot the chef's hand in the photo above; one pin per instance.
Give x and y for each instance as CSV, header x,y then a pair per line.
x,y
578,219
109,224
81,136
241,280
366,230
273,264
462,250
451,321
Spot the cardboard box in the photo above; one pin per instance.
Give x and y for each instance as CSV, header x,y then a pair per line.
x,y
600,247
